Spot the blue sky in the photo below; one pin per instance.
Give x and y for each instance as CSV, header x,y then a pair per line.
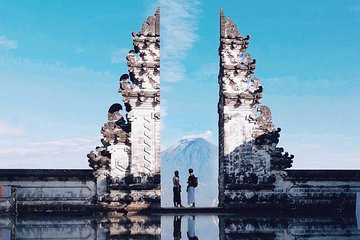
x,y
60,62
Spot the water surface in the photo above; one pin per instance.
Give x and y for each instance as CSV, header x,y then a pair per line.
x,y
201,226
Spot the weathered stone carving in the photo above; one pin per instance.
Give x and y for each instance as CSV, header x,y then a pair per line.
x,y
142,99
144,61
248,155
115,132
111,161
128,164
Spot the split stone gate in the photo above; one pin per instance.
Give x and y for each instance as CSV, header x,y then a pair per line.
x,y
125,174
252,169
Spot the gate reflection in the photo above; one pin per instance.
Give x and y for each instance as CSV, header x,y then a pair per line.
x,y
176,227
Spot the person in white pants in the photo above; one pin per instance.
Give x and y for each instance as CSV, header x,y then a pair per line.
x,y
191,188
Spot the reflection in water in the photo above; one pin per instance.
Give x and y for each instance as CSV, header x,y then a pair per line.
x,y
171,227
336,227
358,210
80,227
177,227
5,234
191,228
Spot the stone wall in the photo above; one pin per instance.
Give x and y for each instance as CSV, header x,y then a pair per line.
x,y
300,190
56,190
322,189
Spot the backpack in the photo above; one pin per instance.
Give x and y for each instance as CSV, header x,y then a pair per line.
x,y
195,182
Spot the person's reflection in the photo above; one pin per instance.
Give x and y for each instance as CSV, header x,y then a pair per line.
x,y
191,228
177,227
358,209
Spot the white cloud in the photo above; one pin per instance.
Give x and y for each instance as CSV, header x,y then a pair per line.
x,y
119,55
208,71
51,148
322,150
324,156
7,44
207,135
79,50
52,100
150,7
24,68
10,130
178,34
292,85
172,71
63,153
166,89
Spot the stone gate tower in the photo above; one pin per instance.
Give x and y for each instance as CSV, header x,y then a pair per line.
x,y
127,165
248,157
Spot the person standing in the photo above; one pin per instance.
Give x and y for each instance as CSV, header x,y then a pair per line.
x,y
192,183
177,190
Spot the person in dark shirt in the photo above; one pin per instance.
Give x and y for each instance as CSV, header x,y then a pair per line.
x,y
191,188
177,190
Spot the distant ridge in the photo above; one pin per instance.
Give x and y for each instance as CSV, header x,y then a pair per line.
x,y
198,154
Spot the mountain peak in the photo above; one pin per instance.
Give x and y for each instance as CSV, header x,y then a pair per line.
x,y
196,153
184,143
194,139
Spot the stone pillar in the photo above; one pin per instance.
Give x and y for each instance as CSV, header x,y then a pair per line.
x,y
130,155
142,99
145,155
247,137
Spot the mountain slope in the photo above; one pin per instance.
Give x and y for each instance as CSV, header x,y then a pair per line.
x,y
195,153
